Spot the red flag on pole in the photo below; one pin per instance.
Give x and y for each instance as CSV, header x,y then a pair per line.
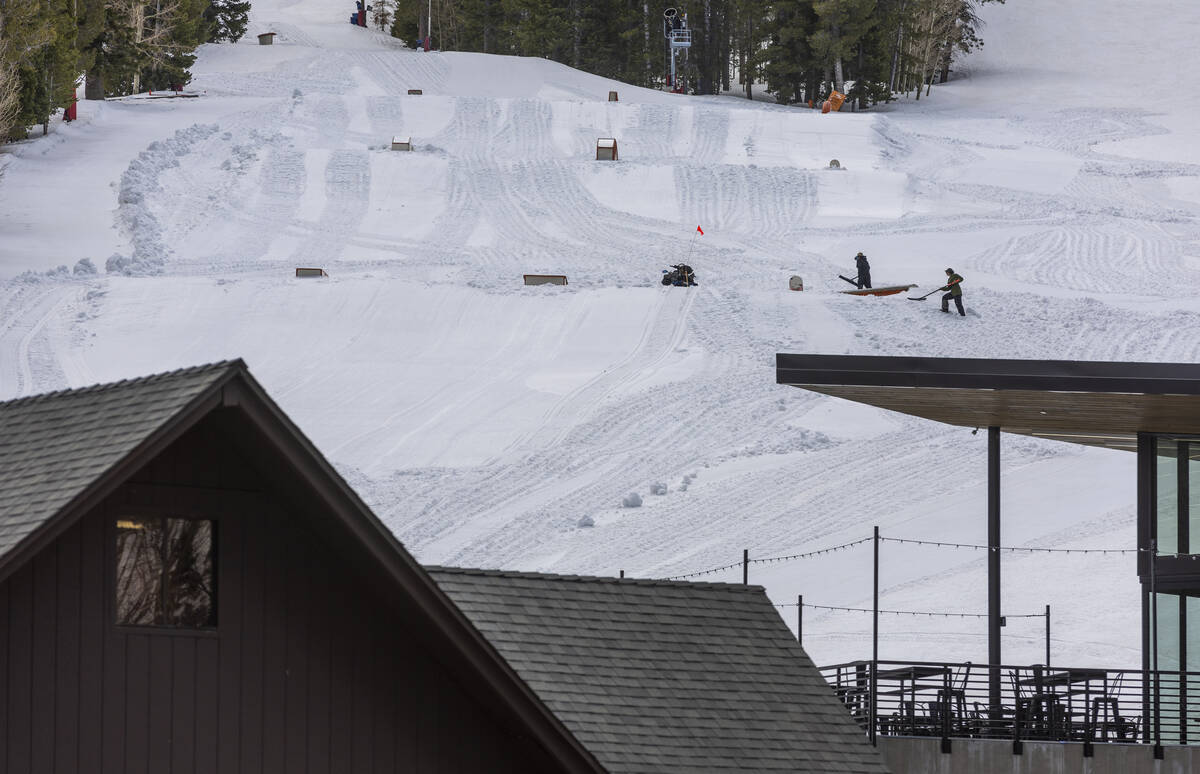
x,y
700,230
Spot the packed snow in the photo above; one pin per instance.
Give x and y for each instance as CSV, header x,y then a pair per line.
x,y
494,424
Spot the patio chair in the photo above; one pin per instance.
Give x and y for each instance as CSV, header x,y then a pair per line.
x,y
1106,719
983,723
948,713
1038,715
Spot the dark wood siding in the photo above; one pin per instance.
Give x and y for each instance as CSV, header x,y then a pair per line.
x,y
312,668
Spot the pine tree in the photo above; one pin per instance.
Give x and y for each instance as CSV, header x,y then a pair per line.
x,y
648,54
142,44
790,64
709,58
842,25
602,36
965,37
936,29
168,46
227,19
538,28
10,85
407,20
111,49
382,13
749,31
39,61
21,38
60,63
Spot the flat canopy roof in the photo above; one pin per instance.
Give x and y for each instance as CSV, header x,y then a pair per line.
x,y
1094,403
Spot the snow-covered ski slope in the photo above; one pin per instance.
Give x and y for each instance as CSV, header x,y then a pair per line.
x,y
486,421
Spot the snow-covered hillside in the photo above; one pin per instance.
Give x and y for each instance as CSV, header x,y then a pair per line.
x,y
488,423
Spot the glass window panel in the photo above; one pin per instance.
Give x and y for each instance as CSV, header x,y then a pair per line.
x,y
1167,502
1168,632
1170,711
165,573
1191,703
1192,454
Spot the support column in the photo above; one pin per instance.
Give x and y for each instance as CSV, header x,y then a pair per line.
x,y
875,646
994,658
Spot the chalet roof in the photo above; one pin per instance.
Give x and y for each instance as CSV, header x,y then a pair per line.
x,y
54,447
665,676
62,452
606,675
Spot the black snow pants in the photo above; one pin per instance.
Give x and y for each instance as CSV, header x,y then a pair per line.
x,y
957,302
864,279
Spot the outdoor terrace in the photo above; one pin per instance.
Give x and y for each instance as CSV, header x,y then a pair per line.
x,y
1036,703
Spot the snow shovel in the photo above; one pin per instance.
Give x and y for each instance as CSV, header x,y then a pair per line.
x,y
927,295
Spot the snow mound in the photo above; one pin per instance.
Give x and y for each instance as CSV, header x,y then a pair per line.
x,y
136,199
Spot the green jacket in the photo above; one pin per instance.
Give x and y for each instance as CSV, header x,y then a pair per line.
x,y
953,284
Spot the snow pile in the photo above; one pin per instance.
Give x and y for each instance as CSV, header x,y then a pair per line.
x,y
33,277
136,198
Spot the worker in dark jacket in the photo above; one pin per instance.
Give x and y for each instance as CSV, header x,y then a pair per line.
x,y
864,271
954,287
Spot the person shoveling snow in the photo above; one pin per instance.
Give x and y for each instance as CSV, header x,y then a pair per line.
x,y
863,278
954,286
864,271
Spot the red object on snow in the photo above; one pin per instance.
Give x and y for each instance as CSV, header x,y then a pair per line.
x,y
362,18
700,230
70,113
889,290
427,42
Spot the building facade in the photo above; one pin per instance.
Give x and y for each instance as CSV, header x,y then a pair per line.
x,y
188,586
1150,409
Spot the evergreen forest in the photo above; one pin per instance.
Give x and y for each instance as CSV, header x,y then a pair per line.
x,y
116,47
798,51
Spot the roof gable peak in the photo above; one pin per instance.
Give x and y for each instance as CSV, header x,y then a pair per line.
x,y
220,365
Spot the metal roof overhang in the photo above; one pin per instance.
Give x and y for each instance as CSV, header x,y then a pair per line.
x,y
1094,403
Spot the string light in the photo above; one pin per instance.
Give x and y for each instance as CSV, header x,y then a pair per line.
x,y
935,543
1016,549
906,612
812,553
704,572
772,559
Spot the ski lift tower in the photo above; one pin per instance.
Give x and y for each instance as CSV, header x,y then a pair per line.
x,y
678,36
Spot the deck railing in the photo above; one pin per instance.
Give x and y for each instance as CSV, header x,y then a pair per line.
x,y
904,698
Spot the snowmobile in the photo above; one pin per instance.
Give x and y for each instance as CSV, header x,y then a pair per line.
x,y
680,276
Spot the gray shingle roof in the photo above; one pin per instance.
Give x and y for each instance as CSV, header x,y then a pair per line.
x,y
53,447
658,676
